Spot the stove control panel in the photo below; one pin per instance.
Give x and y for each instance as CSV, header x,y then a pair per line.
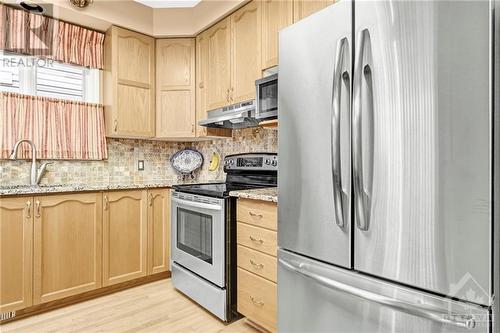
x,y
252,162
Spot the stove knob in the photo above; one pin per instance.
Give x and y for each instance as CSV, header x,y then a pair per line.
x,y
267,162
275,163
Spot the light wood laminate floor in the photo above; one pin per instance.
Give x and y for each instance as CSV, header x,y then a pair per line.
x,y
154,307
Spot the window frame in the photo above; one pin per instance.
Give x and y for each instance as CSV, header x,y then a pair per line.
x,y
91,85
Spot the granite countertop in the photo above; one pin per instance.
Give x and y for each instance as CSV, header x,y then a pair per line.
x,y
42,189
264,194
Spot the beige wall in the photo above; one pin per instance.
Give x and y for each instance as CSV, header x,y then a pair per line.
x,y
101,14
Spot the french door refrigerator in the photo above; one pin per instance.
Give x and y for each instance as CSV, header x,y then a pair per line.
x,y
389,150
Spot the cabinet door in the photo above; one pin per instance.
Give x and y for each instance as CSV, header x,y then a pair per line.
x,y
67,245
158,230
276,15
124,236
133,67
16,228
201,89
304,8
175,94
219,59
245,46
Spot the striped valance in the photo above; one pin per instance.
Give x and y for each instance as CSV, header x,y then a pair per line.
x,y
60,129
38,35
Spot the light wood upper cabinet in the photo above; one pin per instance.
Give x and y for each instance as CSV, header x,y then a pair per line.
x,y
219,64
16,227
67,245
175,88
158,230
304,8
124,236
201,90
245,50
129,84
276,15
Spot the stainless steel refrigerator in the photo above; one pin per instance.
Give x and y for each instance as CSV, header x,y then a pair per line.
x,y
389,154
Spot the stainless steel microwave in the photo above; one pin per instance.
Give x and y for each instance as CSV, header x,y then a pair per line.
x,y
267,97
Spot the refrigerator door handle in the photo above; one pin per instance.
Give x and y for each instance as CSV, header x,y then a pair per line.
x,y
341,78
421,310
362,188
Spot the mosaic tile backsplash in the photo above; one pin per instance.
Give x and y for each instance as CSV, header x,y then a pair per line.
x,y
121,166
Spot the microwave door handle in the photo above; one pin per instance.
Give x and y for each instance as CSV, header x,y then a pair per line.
x,y
362,74
340,78
197,204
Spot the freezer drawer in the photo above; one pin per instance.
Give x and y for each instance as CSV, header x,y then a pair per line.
x,y
316,297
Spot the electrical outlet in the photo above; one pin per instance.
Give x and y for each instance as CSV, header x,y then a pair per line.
x,y
140,165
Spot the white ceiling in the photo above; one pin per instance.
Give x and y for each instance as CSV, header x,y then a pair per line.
x,y
169,3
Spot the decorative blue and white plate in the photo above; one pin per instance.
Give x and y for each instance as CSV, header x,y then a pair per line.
x,y
187,160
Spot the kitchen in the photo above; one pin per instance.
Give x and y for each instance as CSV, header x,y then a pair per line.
x,y
359,195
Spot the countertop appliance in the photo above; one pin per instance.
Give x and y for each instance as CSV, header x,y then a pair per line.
x,y
239,115
203,232
389,143
267,97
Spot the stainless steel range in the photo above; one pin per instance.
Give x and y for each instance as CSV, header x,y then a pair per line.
x,y
204,232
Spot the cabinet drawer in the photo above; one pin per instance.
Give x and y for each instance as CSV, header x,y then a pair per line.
x,y
257,299
260,213
257,262
257,238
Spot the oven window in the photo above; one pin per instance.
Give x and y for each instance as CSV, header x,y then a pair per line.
x,y
194,234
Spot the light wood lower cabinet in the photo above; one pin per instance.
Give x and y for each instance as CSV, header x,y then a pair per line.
x,y
55,246
257,264
257,299
124,236
158,231
16,227
67,245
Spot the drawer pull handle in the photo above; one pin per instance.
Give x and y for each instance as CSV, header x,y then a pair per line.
x,y
28,209
255,214
255,240
254,264
38,209
106,202
256,302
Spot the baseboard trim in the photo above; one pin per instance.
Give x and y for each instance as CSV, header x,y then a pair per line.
x,y
49,306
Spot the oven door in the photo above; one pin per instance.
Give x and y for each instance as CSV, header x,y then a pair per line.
x,y
198,235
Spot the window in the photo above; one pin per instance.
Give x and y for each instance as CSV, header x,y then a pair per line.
x,y
35,76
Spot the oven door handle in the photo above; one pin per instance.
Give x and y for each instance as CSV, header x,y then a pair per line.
x,y
197,204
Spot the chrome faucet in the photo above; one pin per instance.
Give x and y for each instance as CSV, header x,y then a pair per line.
x,y
36,175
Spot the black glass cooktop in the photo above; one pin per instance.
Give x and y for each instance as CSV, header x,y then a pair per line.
x,y
218,190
